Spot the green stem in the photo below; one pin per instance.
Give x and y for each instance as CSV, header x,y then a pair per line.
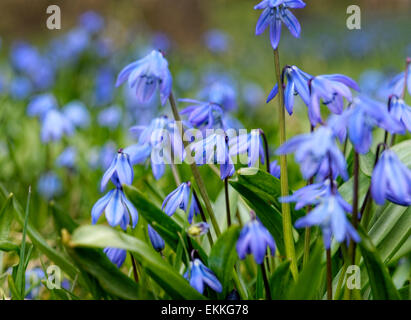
x,y
133,262
196,173
285,206
266,284
354,220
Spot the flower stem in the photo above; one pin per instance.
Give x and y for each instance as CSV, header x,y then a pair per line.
x,y
133,262
200,207
266,284
285,206
266,151
227,202
196,173
329,276
354,219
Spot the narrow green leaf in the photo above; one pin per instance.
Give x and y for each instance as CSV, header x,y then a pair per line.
x,y
6,217
280,281
163,273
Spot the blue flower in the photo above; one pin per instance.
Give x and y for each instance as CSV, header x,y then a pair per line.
x,y
391,180
220,89
401,112
214,149
360,119
216,41
67,158
91,21
33,279
199,275
55,125
275,169
41,104
250,144
120,169
331,89
315,152
146,75
116,256
103,88
206,114
254,239
77,113
330,215
274,13
49,185
110,117
198,229
117,208
180,198
396,85
297,83
20,88
252,94
156,241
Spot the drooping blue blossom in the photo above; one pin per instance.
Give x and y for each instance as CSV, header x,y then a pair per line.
x,y
315,152
331,89
250,144
401,112
276,12
120,169
157,140
391,180
214,150
77,113
396,85
275,169
180,199
330,215
199,275
110,117
117,208
207,115
49,185
67,158
55,125
41,104
103,87
156,241
254,239
198,229
147,75
115,255
360,119
91,21
20,88
297,83
216,41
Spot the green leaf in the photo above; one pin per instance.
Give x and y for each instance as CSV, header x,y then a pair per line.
x,y
382,286
163,273
223,256
403,151
7,246
367,163
270,217
280,280
6,217
166,227
309,281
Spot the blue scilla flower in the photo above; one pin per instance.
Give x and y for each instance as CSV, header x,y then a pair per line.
x,y
110,117
20,88
180,198
396,85
41,104
220,89
275,169
156,241
67,158
91,21
216,41
24,57
331,89
203,114
274,13
250,144
315,152
49,185
214,149
103,87
330,215
308,195
116,256
55,125
401,112
120,169
360,119
391,180
254,239
117,208
146,75
199,275
297,83
77,113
